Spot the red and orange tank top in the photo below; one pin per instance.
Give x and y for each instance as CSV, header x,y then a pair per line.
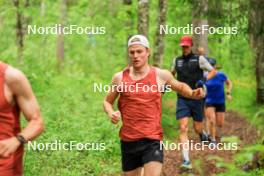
x,y
141,109
9,127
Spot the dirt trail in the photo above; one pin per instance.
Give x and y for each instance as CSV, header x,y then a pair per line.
x,y
202,161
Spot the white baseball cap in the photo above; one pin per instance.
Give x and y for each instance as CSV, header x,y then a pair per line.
x,y
138,40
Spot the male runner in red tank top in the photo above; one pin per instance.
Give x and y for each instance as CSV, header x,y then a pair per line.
x,y
16,95
139,89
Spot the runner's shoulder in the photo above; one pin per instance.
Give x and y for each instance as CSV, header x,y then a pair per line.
x,y
14,76
222,74
163,73
117,78
178,57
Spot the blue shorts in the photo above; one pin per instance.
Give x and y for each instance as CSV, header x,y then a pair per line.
x,y
190,108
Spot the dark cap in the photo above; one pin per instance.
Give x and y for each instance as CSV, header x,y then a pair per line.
x,y
212,61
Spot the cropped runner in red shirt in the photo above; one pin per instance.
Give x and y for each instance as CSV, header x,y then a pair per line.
x,y
139,88
16,95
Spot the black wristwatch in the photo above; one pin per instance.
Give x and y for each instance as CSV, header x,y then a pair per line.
x,y
21,139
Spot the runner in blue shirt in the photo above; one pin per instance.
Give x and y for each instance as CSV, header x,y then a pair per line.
x,y
215,101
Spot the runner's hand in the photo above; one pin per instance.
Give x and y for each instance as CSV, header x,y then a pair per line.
x,y
8,146
115,117
229,97
198,93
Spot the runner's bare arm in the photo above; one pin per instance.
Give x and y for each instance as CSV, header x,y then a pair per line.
x,y
110,99
27,102
173,70
206,66
20,88
229,86
180,87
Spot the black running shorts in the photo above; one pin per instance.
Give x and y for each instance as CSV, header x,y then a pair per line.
x,y
218,107
137,153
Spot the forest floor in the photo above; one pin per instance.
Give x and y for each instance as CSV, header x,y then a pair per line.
x,y
204,162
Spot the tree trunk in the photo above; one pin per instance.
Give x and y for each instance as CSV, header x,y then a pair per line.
x,y
256,36
26,4
143,17
19,31
129,23
215,13
129,20
159,40
60,38
42,8
1,22
112,4
200,11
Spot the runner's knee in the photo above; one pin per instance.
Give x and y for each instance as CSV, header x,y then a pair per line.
x,y
198,127
212,122
136,172
220,125
184,128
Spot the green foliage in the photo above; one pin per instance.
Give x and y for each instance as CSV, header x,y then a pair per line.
x,y
242,158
